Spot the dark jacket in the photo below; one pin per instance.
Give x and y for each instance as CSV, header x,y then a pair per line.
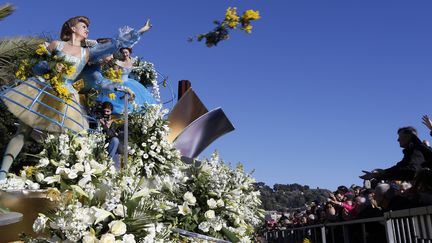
x,y
111,131
416,157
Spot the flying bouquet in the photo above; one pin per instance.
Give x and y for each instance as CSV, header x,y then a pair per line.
x,y
231,21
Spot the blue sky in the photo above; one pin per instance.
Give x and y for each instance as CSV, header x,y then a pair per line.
x,y
316,92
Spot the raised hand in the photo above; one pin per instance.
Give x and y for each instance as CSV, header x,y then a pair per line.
x,y
147,26
427,122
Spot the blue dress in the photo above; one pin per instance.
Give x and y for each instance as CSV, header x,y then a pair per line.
x,y
34,102
142,95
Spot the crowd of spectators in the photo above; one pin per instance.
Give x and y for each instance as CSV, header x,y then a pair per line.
x,y
408,184
358,202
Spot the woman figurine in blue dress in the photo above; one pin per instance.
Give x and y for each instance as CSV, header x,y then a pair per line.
x,y
141,96
33,101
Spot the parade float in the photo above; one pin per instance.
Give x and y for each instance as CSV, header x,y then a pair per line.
x,y
73,192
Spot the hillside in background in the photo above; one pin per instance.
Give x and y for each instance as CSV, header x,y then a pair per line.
x,y
294,195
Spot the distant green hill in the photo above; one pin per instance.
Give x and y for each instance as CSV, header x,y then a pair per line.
x,y
294,195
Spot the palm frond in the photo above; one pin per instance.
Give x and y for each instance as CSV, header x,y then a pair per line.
x,y
12,50
6,10
143,216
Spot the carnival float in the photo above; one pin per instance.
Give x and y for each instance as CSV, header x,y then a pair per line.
x,y
118,160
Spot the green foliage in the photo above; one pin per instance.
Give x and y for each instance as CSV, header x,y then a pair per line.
x,y
294,195
12,51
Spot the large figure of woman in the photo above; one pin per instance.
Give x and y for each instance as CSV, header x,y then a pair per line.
x,y
34,102
141,96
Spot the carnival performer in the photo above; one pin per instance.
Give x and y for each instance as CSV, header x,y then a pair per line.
x,y
141,96
37,103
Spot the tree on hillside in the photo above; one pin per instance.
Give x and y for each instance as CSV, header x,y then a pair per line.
x,y
283,196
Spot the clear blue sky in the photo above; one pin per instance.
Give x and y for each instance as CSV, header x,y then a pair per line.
x,y
316,92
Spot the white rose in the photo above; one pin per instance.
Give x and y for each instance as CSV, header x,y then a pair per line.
x,y
120,210
212,203
78,167
245,239
210,214
39,177
52,179
107,238
100,214
117,227
220,203
128,238
89,239
189,198
204,226
72,175
217,225
205,168
32,185
39,223
43,162
184,209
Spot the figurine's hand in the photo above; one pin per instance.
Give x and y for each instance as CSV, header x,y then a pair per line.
x,y
59,67
147,26
130,93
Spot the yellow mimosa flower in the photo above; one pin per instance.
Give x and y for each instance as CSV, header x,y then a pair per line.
x,y
112,96
28,170
46,76
70,71
247,28
231,18
41,50
62,90
114,75
54,79
251,15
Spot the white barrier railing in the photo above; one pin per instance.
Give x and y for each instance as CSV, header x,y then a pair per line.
x,y
402,226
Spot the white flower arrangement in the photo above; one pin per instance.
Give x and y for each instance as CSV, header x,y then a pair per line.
x,y
145,200
146,74
219,201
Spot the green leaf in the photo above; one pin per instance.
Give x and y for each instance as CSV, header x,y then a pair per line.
x,y
79,190
230,235
12,51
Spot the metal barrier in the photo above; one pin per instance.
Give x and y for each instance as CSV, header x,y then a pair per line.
x,y
402,226
409,225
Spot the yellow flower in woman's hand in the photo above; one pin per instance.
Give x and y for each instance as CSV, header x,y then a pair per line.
x,y
41,50
114,75
71,71
62,90
46,76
